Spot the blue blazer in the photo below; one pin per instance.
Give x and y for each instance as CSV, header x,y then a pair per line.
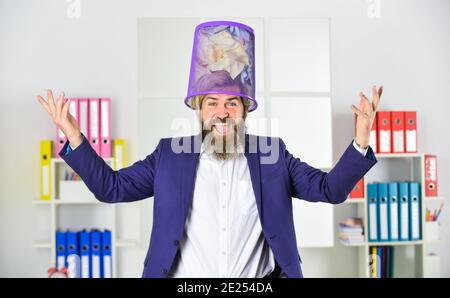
x,y
169,177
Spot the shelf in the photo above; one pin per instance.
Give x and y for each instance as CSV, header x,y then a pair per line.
x,y
41,244
398,155
66,202
431,199
41,202
60,160
74,202
352,244
126,243
395,243
355,201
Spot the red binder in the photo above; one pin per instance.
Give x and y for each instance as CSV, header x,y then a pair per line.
x,y
373,134
384,132
431,176
410,132
398,132
358,191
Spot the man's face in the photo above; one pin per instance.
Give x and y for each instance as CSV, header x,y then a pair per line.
x,y
220,112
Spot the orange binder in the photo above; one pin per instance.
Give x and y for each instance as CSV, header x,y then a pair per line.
x,y
411,132
384,131
398,132
431,189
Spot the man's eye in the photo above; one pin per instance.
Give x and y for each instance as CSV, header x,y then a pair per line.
x,y
211,104
233,104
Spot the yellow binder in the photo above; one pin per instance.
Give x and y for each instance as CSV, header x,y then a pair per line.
x,y
119,154
45,162
374,261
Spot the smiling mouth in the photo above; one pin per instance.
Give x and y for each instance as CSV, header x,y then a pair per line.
x,y
222,128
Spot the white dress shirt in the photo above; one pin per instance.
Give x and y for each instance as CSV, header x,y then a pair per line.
x,y
223,235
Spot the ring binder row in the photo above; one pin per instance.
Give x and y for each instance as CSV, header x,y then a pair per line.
x,y
394,132
84,254
45,186
94,118
381,261
394,211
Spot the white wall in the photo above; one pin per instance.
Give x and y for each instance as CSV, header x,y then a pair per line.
x,y
406,49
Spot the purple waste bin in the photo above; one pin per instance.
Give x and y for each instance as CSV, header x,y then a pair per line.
x,y
223,61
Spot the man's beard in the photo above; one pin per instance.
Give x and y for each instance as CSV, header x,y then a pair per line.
x,y
224,147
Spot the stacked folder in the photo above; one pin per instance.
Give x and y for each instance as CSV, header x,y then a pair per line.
x,y
84,254
381,261
394,211
94,117
351,231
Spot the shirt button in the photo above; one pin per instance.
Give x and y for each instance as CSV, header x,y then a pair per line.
x,y
224,184
176,242
224,253
223,229
223,206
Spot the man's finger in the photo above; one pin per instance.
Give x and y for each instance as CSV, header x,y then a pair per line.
x,y
366,103
59,104
51,102
65,109
356,110
44,104
376,101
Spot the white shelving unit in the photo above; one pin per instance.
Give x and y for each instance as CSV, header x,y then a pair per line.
x,y
59,208
409,256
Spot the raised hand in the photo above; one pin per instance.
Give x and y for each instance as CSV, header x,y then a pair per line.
x,y
366,115
60,115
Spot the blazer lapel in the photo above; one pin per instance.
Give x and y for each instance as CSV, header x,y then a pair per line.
x,y
188,167
255,170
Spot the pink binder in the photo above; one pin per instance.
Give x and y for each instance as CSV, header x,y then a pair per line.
x,y
94,124
105,127
83,116
60,137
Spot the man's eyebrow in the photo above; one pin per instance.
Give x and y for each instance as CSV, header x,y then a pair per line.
x,y
215,98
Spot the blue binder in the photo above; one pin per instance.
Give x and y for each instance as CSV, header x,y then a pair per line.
x,y
72,259
414,211
60,250
96,254
372,195
393,211
85,254
403,194
380,258
106,254
383,212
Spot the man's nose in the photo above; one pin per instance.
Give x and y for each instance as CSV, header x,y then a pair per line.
x,y
222,112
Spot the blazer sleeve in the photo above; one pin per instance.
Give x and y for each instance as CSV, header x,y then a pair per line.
x,y
128,184
315,185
